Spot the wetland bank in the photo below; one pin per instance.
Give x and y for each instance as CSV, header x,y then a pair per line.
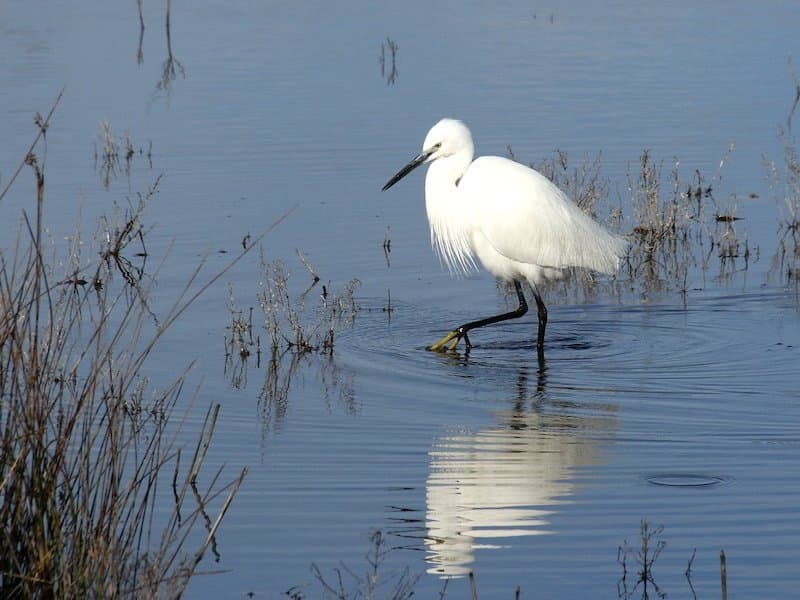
x,y
680,369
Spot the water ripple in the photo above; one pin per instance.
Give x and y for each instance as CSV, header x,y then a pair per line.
x,y
685,480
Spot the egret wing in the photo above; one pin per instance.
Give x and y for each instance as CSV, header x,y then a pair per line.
x,y
528,219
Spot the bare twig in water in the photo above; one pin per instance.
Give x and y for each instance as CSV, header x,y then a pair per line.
x,y
139,51
172,67
387,246
374,583
646,556
723,574
42,126
388,64
688,573
307,265
796,95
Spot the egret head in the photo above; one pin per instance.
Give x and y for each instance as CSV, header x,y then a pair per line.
x,y
446,138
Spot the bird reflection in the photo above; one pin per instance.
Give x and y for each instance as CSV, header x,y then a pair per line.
x,y
505,481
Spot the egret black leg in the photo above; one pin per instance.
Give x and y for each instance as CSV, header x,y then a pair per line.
x,y
542,311
514,314
462,331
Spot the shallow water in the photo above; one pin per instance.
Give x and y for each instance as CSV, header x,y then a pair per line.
x,y
680,407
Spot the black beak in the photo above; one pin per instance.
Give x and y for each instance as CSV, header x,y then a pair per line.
x,y
417,161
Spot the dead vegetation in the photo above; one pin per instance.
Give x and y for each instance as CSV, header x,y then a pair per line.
x,y
299,331
347,582
677,228
114,154
784,178
94,498
298,323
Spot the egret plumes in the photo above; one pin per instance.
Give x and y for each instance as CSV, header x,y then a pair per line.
x,y
515,221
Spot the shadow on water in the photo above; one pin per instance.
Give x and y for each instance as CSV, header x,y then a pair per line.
x,y
281,375
679,372
487,487
280,372
171,67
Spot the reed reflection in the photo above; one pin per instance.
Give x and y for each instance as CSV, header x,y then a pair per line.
x,y
488,487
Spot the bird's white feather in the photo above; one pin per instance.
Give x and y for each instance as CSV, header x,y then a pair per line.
x,y
510,217
448,218
547,229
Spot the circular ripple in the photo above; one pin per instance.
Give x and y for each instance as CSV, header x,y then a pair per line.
x,y
715,347
684,480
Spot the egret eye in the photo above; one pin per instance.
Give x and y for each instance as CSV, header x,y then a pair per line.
x,y
433,149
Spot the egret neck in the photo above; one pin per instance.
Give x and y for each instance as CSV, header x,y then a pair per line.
x,y
450,229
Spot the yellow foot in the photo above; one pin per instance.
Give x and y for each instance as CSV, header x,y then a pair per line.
x,y
454,337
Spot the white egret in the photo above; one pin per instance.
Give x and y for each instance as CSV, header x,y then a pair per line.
x,y
513,219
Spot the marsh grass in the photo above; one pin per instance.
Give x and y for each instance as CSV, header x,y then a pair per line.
x,y
651,545
681,229
305,322
114,154
662,244
676,227
584,183
375,579
784,179
373,582
300,330
294,323
89,449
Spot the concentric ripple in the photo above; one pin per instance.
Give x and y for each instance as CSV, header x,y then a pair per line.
x,y
686,480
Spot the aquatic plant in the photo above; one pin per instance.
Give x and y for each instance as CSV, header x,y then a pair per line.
x,y
94,498
674,226
584,183
785,184
300,330
650,547
374,582
114,153
290,323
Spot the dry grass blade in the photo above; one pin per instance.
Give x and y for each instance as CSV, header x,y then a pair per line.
x,y
42,125
85,439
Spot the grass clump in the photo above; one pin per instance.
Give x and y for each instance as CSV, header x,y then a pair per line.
x,y
295,323
288,320
93,499
584,183
373,582
300,331
785,183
